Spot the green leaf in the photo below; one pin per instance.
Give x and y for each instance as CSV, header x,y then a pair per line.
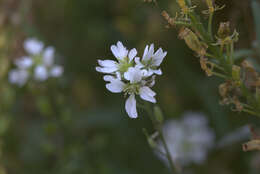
x,y
256,13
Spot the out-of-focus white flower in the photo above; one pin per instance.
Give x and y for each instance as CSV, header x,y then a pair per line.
x,y
41,73
33,46
131,77
56,71
124,60
18,77
39,64
151,61
189,139
24,62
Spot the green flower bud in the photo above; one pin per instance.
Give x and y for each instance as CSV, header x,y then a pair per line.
x,y
158,114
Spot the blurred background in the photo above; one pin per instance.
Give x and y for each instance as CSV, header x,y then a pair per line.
x,y
73,124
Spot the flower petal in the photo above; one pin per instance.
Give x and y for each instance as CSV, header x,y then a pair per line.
x,y
33,46
138,62
133,74
48,56
157,71
106,70
107,63
158,57
149,52
145,52
115,51
115,86
56,71
18,77
41,73
109,78
132,54
147,94
130,106
24,62
122,51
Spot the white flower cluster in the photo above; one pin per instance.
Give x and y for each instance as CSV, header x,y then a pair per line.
x,y
39,63
131,75
189,139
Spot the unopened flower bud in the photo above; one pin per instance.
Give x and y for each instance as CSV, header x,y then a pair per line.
x,y
183,6
192,41
224,30
236,72
210,5
158,114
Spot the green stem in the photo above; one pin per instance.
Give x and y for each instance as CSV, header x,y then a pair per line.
x,y
168,155
232,53
173,166
251,112
210,25
219,75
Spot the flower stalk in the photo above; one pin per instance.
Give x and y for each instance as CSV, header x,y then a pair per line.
x,y
174,167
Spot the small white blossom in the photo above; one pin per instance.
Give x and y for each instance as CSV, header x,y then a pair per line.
x,y
189,139
128,77
150,60
33,46
38,64
124,60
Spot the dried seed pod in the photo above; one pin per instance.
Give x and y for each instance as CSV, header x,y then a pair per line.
x,y
250,76
192,41
223,90
224,30
168,18
206,66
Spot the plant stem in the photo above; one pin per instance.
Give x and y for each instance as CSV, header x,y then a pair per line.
x,y
210,25
173,166
168,155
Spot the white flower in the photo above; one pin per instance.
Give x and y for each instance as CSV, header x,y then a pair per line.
x,y
56,71
151,61
131,77
124,60
189,139
33,46
39,64
18,76
41,73
23,62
